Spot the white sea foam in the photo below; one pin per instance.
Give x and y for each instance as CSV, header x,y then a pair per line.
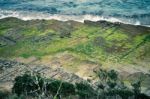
x,y
37,15
80,18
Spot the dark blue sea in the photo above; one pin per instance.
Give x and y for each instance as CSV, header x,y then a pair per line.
x,y
127,11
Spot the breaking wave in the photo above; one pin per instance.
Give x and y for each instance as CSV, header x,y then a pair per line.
x,y
135,12
24,15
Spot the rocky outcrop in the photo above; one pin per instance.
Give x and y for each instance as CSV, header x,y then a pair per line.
x,y
10,69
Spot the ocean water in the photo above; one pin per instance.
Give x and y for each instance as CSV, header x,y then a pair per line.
x,y
135,12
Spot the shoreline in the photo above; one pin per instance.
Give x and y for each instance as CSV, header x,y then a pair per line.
x,y
60,17
80,21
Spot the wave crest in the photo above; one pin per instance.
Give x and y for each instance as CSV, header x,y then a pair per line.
x,y
24,15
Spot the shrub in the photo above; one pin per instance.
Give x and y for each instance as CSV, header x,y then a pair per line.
x,y
4,94
123,93
28,84
14,96
85,91
62,88
113,75
136,88
67,89
35,85
111,84
102,74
